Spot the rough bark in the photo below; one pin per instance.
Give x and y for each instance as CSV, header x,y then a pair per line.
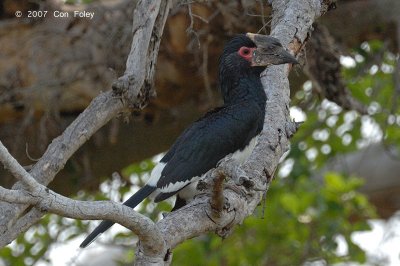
x,y
89,49
104,107
291,23
46,200
39,101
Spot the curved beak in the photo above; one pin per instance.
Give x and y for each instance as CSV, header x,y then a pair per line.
x,y
269,51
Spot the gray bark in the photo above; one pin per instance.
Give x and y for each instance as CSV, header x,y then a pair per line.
x,y
104,107
292,20
78,71
291,23
46,200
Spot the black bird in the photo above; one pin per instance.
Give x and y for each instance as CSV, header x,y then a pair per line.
x,y
230,129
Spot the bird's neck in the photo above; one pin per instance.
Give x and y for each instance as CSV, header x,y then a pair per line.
x,y
244,87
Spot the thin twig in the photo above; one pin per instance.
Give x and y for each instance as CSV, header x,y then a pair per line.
x,y
15,168
190,29
264,26
28,155
206,79
263,17
201,18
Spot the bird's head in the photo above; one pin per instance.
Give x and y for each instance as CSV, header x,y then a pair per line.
x,y
253,52
243,59
269,51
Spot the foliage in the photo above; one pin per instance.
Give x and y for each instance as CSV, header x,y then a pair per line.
x,y
302,221
304,217
306,211
33,246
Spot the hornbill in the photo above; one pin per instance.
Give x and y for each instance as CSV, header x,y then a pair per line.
x,y
230,129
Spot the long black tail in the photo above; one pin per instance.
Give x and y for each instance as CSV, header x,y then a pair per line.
x,y
132,202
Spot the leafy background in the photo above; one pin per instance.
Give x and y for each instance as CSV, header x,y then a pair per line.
x,y
307,213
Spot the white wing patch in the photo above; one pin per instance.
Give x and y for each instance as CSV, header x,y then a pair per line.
x,y
156,174
242,155
239,156
172,187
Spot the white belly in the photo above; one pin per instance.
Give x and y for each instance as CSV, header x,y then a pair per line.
x,y
189,191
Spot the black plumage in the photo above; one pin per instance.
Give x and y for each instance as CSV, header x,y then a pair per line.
x,y
230,129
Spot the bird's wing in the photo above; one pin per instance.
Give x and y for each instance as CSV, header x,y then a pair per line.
x,y
206,142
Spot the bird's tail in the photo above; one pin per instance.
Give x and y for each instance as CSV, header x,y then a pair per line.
x,y
132,202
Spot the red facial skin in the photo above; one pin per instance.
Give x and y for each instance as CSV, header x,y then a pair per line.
x,y
246,52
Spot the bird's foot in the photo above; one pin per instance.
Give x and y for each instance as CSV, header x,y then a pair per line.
x,y
234,171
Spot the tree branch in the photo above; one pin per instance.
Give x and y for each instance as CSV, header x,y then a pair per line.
x,y
49,201
104,107
15,196
15,168
291,23
324,69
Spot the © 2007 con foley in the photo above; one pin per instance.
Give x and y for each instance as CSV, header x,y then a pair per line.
x,y
56,14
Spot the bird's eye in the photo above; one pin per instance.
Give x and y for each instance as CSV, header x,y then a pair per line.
x,y
245,52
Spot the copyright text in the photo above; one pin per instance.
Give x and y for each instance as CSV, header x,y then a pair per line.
x,y
55,14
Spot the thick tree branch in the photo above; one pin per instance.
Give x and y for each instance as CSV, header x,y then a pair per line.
x,y
104,107
246,186
292,21
16,196
49,201
23,223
